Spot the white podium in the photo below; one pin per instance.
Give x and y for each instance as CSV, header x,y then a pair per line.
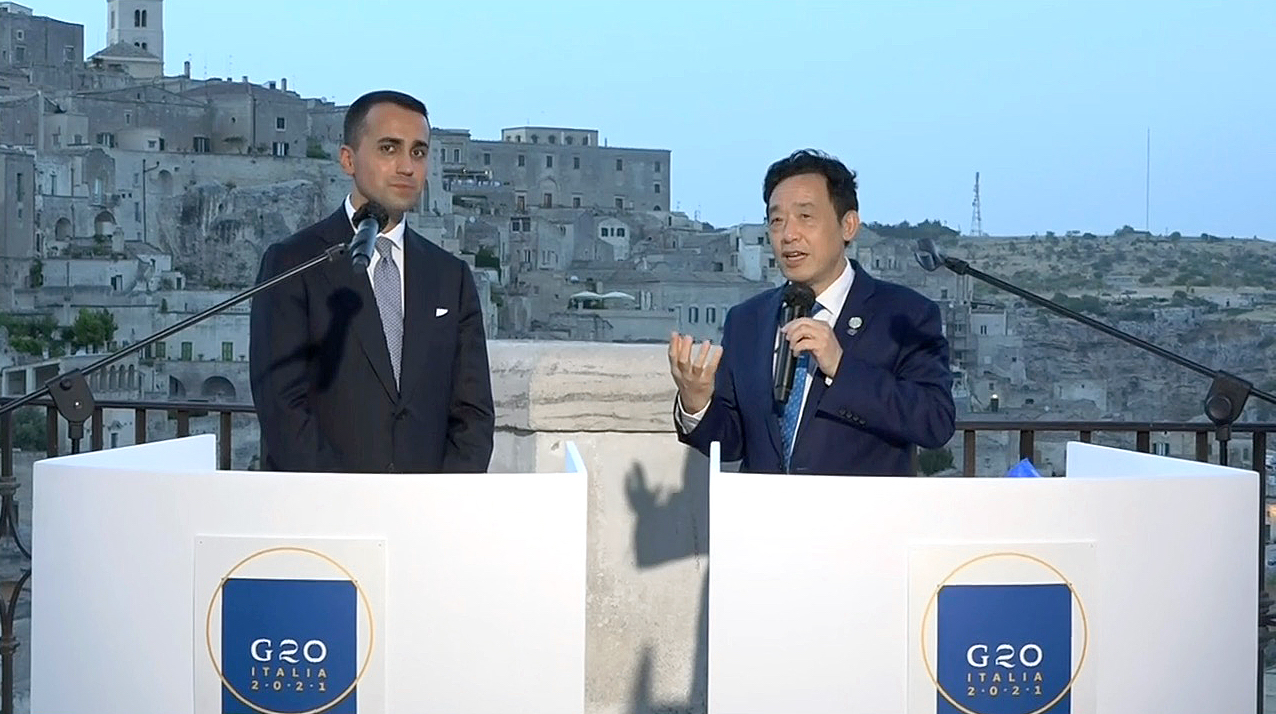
x,y
1130,586
160,584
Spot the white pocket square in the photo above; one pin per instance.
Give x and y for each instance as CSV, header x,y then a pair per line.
x,y
440,311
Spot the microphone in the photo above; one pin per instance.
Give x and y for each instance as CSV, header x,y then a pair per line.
x,y
798,301
368,220
929,257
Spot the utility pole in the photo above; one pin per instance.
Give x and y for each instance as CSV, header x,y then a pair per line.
x,y
145,234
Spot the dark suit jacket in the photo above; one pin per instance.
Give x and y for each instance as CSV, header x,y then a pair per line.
x,y
320,371
893,388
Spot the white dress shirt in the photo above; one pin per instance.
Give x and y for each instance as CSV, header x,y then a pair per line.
x,y
830,302
396,237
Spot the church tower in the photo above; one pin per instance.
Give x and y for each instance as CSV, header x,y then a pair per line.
x,y
137,22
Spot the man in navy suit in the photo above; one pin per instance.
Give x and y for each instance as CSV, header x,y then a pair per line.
x,y
373,369
873,381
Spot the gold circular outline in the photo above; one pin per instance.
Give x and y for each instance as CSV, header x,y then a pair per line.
x,y
367,606
1085,628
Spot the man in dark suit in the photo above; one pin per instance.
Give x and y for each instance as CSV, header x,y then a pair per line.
x,y
378,369
873,380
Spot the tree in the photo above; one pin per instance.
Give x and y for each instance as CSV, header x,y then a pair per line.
x,y
92,328
485,258
30,429
933,461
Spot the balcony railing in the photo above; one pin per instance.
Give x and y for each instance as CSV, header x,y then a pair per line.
x,y
1031,435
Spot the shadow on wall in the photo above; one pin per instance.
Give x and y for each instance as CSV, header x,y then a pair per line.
x,y
670,528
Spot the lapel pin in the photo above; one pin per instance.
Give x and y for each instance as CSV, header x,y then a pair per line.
x,y
855,324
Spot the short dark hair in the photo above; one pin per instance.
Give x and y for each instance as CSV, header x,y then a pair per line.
x,y
358,111
841,180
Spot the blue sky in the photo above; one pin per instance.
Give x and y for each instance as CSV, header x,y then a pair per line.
x,y
1051,102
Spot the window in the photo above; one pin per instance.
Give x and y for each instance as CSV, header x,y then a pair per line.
x,y
576,162
19,54
553,138
68,53
536,139
1161,448
20,185
983,329
522,160
228,351
575,201
943,294
137,211
143,18
161,350
658,171
143,45
711,315
549,162
281,123
620,203
520,201
137,18
568,140
620,164
547,201
112,19
604,231
657,188
187,351
584,141
456,156
693,315
487,159
128,117
620,232
202,145
279,148
442,153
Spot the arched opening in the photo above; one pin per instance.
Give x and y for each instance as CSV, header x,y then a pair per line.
x,y
104,224
165,183
218,389
62,230
175,388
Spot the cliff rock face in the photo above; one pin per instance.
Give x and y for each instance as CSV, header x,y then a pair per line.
x,y
217,233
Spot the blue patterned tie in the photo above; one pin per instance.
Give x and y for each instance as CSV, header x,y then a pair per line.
x,y
385,285
793,407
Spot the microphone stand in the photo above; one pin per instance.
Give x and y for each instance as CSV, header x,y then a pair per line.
x,y
1224,402
74,400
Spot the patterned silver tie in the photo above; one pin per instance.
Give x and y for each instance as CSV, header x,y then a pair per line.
x,y
386,287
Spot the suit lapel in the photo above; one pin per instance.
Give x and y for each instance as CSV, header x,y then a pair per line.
x,y
767,325
854,306
366,319
419,280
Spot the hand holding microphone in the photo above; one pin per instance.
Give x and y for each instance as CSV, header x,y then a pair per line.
x,y
798,301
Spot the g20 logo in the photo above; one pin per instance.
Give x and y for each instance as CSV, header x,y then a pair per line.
x,y
313,651
1006,656
1004,647
289,645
